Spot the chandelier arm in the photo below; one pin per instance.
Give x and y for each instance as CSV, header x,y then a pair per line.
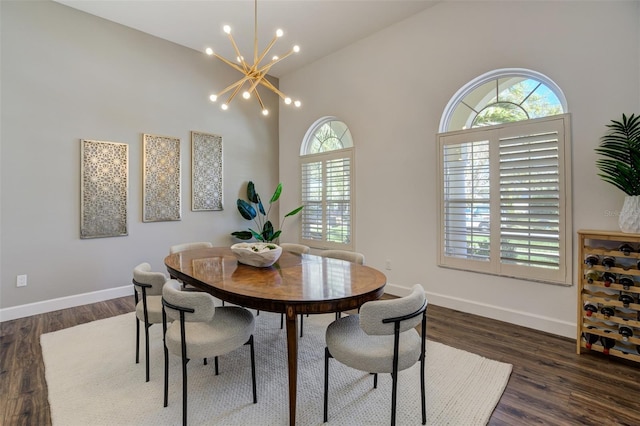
x,y
266,83
233,95
266,67
245,66
266,50
228,62
260,101
255,33
238,84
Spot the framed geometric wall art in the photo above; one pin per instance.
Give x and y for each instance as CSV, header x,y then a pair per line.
x,y
161,178
104,187
206,171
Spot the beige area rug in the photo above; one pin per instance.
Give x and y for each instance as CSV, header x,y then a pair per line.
x,y
93,380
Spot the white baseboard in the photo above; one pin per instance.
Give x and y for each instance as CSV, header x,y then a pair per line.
x,y
525,319
15,312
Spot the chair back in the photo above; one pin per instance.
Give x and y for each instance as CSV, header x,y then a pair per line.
x,y
197,306
349,256
189,246
152,281
295,248
379,316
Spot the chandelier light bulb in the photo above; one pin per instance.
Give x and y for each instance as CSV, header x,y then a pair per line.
x,y
239,58
296,48
265,112
209,51
275,58
224,107
287,101
246,95
213,98
298,104
279,33
226,29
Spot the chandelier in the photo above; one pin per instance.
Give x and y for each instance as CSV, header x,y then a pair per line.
x,y
252,75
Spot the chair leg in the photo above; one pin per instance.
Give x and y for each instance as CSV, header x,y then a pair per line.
x,y
253,369
422,391
205,361
146,348
166,374
301,325
327,355
215,362
184,388
281,321
375,380
137,340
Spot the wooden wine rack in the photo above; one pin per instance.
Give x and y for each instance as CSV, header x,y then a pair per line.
x,y
606,243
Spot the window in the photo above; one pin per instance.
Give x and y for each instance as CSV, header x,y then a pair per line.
x,y
505,178
326,159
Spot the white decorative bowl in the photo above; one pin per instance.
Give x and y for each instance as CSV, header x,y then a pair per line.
x,y
260,255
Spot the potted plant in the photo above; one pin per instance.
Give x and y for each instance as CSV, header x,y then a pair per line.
x,y
620,166
253,209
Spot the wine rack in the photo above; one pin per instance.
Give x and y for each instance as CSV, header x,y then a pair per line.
x,y
609,296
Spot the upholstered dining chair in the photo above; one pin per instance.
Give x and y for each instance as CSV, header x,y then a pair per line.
x,y
381,338
147,292
176,248
200,330
349,256
295,248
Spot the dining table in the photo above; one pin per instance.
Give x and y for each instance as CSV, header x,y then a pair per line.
x,y
296,284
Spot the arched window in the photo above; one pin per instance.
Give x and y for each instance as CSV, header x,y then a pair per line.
x,y
326,161
505,178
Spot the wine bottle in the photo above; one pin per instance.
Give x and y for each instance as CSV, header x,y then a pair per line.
x,y
608,262
625,331
626,299
626,281
626,248
591,259
607,312
608,278
590,338
607,343
592,276
590,307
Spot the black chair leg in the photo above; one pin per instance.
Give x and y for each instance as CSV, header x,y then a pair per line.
x,y
327,355
146,348
422,391
137,340
215,362
166,375
205,361
184,391
375,380
253,370
281,321
301,325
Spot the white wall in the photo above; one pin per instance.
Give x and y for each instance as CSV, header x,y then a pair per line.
x,y
66,76
391,89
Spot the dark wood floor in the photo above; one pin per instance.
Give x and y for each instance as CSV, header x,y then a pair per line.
x,y
549,385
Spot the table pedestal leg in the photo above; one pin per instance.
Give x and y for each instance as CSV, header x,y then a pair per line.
x,y
292,351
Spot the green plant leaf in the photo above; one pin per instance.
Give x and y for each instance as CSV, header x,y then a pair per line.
x,y
261,207
275,235
242,235
276,194
295,211
267,231
256,235
252,195
620,148
246,210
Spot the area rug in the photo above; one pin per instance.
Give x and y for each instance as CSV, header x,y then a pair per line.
x,y
92,379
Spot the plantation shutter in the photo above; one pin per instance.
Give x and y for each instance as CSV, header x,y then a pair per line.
x,y
327,182
516,176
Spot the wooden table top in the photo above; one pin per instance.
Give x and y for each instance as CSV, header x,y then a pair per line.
x,y
301,283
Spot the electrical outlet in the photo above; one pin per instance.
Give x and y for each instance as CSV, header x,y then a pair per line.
x,y
387,264
21,281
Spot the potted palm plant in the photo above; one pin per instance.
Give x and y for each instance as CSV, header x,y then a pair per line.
x,y
620,166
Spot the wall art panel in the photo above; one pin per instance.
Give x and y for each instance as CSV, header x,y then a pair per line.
x,y
161,178
206,171
104,188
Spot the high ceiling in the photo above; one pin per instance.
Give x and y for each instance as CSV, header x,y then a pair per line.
x,y
319,27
